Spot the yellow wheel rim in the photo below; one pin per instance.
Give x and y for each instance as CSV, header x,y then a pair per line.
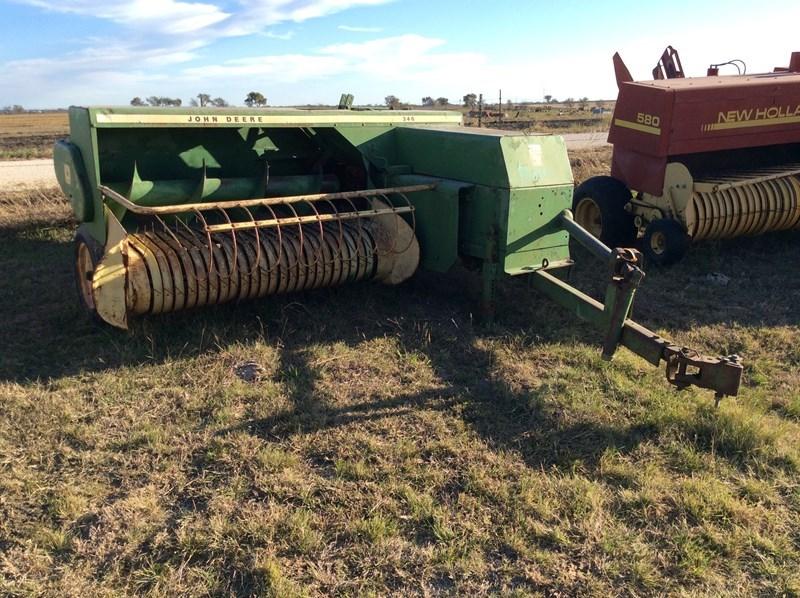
x,y
85,272
658,242
588,215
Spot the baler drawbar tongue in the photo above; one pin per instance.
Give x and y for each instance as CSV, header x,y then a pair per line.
x,y
684,366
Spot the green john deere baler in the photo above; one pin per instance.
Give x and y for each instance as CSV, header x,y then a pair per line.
x,y
181,208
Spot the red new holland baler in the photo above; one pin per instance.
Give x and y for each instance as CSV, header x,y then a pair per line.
x,y
697,158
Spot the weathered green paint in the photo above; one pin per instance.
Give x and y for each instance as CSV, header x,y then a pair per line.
x,y
71,176
436,219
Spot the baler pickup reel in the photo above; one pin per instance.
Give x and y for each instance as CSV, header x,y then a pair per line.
x,y
192,254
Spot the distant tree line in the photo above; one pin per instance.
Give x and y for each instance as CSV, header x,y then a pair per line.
x,y
14,109
254,99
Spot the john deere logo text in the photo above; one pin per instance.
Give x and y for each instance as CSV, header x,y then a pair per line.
x,y
194,118
755,117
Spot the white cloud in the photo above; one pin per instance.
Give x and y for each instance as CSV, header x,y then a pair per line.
x,y
145,58
178,17
159,33
355,29
167,16
282,36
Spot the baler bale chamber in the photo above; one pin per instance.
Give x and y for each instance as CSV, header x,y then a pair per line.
x,y
181,208
697,159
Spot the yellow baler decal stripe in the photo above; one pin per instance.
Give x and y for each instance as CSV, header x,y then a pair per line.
x,y
637,126
301,118
742,124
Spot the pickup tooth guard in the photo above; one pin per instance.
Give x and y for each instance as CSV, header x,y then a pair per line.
x,y
684,366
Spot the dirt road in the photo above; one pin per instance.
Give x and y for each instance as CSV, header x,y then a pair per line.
x,y
27,173
579,141
40,173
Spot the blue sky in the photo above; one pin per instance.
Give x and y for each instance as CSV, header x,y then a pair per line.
x,y
60,52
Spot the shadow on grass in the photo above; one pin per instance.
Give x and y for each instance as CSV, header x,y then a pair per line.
x,y
45,335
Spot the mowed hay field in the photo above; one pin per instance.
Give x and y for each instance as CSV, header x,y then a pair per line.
x,y
377,441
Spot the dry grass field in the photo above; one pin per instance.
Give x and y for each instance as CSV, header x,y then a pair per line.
x,y
31,135
383,443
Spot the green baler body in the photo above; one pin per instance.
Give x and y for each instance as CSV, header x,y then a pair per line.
x,y
494,198
498,194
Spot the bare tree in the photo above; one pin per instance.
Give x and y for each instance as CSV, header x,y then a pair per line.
x,y
427,101
470,100
137,101
392,101
548,98
203,99
442,101
219,103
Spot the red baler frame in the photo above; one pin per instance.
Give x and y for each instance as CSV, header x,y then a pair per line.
x,y
655,121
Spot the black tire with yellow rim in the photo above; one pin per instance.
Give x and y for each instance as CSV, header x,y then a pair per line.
x,y
88,253
665,242
598,205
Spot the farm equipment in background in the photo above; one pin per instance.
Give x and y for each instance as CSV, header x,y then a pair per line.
x,y
181,208
697,158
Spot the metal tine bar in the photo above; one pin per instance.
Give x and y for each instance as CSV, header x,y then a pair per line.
x,y
254,267
411,211
341,231
360,240
209,242
744,178
188,228
300,261
213,228
413,222
169,231
391,250
245,203
235,265
321,234
277,263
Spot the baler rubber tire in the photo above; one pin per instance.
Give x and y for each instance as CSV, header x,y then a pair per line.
x,y
610,196
670,236
83,238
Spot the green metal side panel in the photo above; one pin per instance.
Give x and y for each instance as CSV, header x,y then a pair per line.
x,y
536,160
470,155
533,236
83,136
521,183
483,211
485,156
376,144
436,219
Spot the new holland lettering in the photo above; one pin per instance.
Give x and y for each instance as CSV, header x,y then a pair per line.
x,y
761,113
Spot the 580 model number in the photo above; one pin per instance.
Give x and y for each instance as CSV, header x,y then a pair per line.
x,y
651,120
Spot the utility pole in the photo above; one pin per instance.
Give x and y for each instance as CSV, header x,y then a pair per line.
x,y
500,108
480,110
